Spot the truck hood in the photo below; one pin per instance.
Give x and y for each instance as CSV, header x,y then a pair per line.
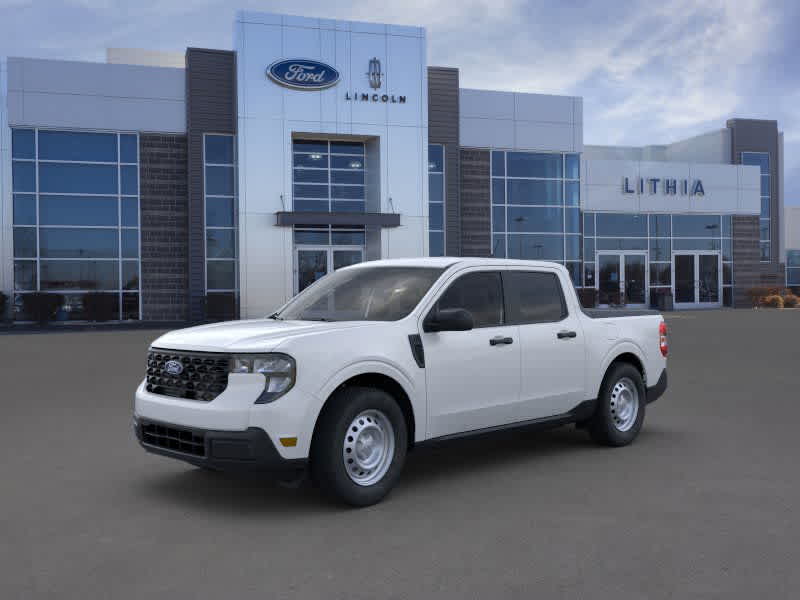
x,y
257,335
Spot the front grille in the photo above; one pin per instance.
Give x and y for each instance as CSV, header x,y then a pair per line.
x,y
174,438
203,376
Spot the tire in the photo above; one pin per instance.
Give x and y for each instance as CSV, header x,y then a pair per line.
x,y
359,446
620,407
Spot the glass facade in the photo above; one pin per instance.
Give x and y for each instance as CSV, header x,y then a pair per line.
x,y
222,277
793,268
328,176
76,220
536,207
435,200
761,160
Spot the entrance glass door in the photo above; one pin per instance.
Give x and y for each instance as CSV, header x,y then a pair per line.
x,y
622,279
696,279
314,263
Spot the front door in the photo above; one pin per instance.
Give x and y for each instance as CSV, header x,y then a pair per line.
x,y
472,377
312,263
622,279
697,279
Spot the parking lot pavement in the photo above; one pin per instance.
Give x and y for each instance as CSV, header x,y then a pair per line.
x,y
703,505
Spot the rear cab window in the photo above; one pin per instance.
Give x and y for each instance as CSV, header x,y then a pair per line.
x,y
533,297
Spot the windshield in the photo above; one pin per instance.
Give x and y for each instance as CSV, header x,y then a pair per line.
x,y
362,294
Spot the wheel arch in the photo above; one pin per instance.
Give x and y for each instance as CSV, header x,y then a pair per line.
x,y
624,354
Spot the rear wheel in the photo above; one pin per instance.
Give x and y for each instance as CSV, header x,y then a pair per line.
x,y
621,405
359,447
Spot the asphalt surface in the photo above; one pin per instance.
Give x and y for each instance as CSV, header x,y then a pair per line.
x,y
703,505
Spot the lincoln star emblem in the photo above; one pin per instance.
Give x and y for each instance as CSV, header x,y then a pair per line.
x,y
173,367
374,74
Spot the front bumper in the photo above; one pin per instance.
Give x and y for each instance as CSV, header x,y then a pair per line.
x,y
251,450
655,392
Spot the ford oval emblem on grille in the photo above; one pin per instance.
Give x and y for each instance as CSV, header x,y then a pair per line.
x,y
173,367
303,74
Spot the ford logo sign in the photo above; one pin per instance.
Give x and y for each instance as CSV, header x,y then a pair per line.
x,y
173,367
302,74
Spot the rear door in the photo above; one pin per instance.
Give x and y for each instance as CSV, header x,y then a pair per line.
x,y
551,343
472,376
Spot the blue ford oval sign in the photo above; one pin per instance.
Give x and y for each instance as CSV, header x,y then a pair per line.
x,y
303,74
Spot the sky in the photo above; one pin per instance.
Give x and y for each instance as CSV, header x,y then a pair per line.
x,y
649,72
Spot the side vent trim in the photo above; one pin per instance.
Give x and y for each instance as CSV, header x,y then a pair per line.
x,y
417,350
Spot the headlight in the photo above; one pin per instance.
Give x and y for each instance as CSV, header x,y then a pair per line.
x,y
278,370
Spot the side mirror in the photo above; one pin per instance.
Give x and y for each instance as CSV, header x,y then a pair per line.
x,y
449,319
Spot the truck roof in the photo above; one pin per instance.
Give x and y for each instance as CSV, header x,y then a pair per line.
x,y
448,261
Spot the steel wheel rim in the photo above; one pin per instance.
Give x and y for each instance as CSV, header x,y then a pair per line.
x,y
624,404
368,447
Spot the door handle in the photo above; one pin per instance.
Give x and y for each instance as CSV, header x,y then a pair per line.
x,y
499,340
566,334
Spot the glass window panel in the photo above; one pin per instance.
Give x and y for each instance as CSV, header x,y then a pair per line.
x,y
727,273
436,216
588,274
533,297
480,294
498,191
310,191
311,175
765,185
130,307
79,275
77,210
311,205
573,166
348,206
219,181
763,229
572,245
499,218
696,226
128,148
130,243
727,226
23,143
660,249
130,274
77,145
765,207
793,277
25,242
661,274
572,189
759,159
536,247
347,192
221,274
129,180
23,176
588,224
588,249
660,226
219,149
528,191
532,164
623,225
574,269
315,160
310,146
77,179
727,296
435,158
436,187
499,246
345,162
436,243
24,209
766,251
130,212
793,258
498,163
358,177
572,220
220,243
535,219
312,237
348,238
621,243
25,275
695,244
219,212
347,148
78,243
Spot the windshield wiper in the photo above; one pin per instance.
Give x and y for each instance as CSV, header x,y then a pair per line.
x,y
274,316
323,319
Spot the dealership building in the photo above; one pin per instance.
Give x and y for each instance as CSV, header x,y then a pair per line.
x,y
216,184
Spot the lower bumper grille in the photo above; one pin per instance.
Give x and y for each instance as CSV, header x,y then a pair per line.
x,y
174,438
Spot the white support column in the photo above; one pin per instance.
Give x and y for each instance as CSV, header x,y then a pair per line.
x,y
6,205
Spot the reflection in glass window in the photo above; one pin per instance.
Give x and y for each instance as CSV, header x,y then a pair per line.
x,y
220,211
436,216
762,160
326,173
78,146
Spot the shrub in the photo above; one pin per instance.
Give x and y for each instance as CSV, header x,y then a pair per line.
x,y
41,306
98,306
790,301
773,301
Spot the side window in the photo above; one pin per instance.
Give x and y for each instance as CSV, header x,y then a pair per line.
x,y
479,293
534,297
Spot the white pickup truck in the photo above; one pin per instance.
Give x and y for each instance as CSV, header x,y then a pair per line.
x,y
382,357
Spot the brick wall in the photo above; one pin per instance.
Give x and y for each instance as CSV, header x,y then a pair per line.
x,y
476,215
748,271
164,214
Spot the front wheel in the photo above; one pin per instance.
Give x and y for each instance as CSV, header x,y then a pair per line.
x,y
359,447
620,407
